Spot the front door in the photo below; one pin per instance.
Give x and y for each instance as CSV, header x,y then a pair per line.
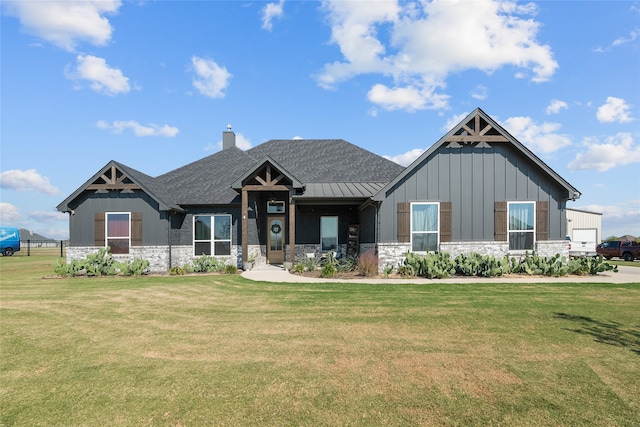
x,y
275,244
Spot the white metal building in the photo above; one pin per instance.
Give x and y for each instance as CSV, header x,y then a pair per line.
x,y
582,223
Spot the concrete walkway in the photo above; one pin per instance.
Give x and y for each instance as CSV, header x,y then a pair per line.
x,y
277,274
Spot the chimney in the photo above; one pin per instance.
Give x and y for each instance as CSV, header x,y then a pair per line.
x,y
228,138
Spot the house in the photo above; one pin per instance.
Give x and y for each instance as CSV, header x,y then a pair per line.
x,y
476,189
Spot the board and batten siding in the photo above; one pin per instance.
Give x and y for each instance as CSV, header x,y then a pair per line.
x,y
473,179
82,226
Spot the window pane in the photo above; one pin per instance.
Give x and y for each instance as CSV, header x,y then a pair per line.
x,y
520,240
117,225
118,246
202,228
521,216
222,227
202,248
222,248
424,217
329,233
423,242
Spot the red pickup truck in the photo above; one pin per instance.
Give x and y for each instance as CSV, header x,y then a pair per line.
x,y
624,249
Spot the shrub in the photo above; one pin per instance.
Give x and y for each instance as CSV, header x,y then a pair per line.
x,y
406,270
388,269
177,271
207,264
368,263
298,268
347,264
310,263
437,265
136,267
585,265
329,270
230,269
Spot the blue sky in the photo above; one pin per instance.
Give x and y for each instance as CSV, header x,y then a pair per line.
x,y
153,84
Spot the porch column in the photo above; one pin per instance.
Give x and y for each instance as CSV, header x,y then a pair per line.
x,y
292,228
245,225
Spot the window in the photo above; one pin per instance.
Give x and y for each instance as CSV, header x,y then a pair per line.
x,y
424,227
329,233
275,207
118,232
521,228
212,235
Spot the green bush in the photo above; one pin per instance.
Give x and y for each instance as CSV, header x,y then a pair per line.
x,y
328,270
583,266
437,265
347,264
177,271
298,268
475,264
207,264
136,267
310,263
230,269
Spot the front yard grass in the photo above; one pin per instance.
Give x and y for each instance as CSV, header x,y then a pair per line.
x,y
221,350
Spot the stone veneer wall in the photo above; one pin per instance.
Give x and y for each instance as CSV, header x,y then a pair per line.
x,y
393,254
158,256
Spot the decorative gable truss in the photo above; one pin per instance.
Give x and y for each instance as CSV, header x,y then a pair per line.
x,y
268,177
113,179
477,132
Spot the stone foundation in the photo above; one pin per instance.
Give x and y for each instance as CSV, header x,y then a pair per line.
x,y
393,254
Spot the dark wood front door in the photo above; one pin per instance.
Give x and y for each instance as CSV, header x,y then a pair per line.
x,y
275,243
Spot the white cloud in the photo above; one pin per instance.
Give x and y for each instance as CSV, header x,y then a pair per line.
x,y
66,23
211,79
101,77
453,121
26,180
418,45
539,138
480,92
407,158
618,150
138,129
618,220
47,216
614,110
623,40
555,106
9,214
270,12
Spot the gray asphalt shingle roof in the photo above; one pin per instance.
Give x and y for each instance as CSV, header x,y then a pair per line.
x,y
313,162
328,168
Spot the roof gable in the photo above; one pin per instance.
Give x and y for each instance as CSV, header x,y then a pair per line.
x,y
116,176
266,172
481,131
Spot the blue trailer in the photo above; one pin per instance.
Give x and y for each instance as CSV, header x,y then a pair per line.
x,y
9,240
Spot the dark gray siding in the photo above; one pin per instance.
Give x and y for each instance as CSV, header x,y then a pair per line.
x,y
473,179
82,227
308,222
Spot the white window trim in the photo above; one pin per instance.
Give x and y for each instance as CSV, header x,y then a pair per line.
x,y
437,232
212,240
106,230
337,231
509,230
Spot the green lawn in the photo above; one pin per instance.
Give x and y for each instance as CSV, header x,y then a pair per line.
x,y
221,350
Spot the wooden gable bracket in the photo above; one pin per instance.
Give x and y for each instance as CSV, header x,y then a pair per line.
x,y
111,181
474,135
267,180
